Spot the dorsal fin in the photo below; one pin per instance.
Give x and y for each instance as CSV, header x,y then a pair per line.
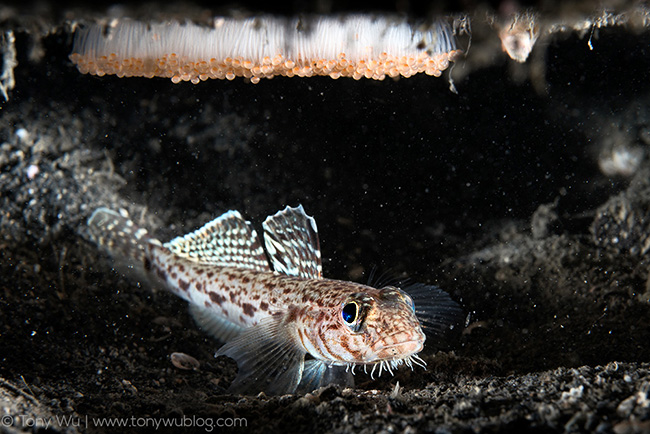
x,y
227,241
291,239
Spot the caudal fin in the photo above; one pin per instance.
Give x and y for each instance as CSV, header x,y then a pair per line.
x,y
120,236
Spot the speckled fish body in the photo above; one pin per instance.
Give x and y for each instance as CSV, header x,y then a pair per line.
x,y
288,328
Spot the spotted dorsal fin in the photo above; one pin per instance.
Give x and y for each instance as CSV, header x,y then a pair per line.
x,y
227,241
291,239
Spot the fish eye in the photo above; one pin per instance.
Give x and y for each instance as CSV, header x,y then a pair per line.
x,y
350,312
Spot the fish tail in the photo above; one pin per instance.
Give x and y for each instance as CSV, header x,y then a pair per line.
x,y
119,235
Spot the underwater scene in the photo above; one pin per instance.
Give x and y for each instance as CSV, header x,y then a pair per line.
x,y
326,219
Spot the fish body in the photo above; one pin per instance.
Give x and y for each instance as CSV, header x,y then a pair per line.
x,y
288,328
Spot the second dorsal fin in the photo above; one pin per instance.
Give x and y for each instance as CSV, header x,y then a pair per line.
x,y
227,241
291,240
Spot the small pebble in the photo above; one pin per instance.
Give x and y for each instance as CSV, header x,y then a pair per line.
x,y
184,361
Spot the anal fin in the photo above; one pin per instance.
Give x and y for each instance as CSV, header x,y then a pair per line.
x,y
268,356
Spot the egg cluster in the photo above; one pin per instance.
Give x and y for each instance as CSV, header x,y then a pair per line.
x,y
360,47
180,69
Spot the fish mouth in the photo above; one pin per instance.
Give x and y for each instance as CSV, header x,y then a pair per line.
x,y
399,350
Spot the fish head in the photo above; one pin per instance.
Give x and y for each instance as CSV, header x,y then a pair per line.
x,y
370,327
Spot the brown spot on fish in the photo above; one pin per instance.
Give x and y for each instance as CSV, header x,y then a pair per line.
x,y
210,274
199,286
217,298
248,309
161,273
224,312
256,297
199,271
292,315
233,297
174,275
245,279
264,306
181,268
182,284
207,303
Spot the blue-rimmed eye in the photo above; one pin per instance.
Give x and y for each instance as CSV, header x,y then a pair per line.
x,y
350,312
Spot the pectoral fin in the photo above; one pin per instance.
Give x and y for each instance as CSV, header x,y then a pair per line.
x,y
437,312
318,374
214,325
269,358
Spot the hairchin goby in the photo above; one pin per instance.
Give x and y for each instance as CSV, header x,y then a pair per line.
x,y
288,328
